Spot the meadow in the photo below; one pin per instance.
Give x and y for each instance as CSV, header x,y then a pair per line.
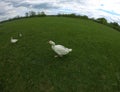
x,y
29,65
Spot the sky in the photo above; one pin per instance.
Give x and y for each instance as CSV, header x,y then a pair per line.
x,y
109,9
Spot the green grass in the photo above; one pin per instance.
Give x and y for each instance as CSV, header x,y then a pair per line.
x,y
30,66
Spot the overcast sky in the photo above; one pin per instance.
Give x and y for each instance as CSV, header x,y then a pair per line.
x,y
109,9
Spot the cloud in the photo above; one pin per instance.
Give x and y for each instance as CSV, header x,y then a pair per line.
x,y
7,10
44,6
108,9
110,12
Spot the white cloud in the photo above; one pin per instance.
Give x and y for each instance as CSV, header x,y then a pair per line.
x,y
8,11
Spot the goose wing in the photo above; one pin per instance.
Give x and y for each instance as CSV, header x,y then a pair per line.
x,y
59,49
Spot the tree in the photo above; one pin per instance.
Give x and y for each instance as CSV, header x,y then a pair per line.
x,y
32,13
102,20
115,26
84,17
114,23
26,14
41,13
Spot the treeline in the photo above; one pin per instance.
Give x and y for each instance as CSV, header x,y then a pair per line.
x,y
27,15
31,14
34,14
114,25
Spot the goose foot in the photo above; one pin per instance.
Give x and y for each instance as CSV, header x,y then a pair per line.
x,y
56,56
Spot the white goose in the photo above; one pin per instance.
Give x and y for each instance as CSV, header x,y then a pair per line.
x,y
13,40
20,34
59,49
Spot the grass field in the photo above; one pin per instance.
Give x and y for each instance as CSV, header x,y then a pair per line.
x,y
29,65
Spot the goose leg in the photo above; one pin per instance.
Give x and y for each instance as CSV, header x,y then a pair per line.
x,y
60,55
56,56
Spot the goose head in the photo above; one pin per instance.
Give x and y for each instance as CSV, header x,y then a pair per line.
x,y
52,43
11,38
20,34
